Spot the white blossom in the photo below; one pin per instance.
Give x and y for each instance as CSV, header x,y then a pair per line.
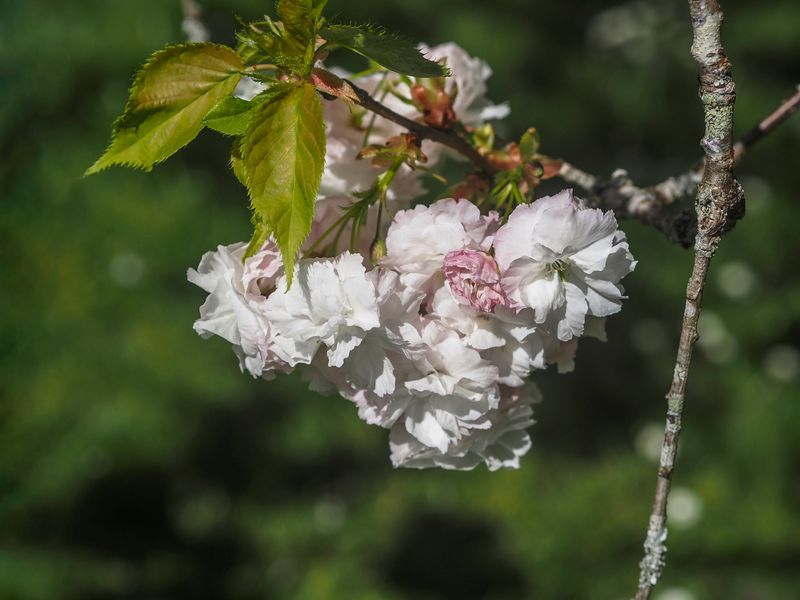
x,y
563,260
371,373
452,389
501,444
469,75
438,341
418,239
331,302
235,308
344,174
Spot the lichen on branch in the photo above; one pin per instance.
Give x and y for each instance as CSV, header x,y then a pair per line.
x,y
719,203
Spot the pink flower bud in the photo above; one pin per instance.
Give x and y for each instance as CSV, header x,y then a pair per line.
x,y
474,280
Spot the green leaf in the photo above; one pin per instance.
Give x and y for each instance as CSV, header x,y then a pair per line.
x,y
300,19
529,144
283,153
266,42
260,235
391,52
237,166
232,115
171,94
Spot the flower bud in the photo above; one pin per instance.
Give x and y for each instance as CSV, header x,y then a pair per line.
x,y
377,250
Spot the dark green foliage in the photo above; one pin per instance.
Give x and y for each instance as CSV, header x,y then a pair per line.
x,y
391,52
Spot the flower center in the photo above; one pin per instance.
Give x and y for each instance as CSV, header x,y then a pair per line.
x,y
559,266
266,286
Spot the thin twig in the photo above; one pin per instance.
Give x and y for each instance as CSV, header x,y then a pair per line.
x,y
651,205
656,205
447,138
778,116
619,194
719,203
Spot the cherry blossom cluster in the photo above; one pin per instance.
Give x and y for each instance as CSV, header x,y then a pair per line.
x,y
436,337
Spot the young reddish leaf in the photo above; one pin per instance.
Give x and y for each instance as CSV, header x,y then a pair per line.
x,y
550,166
331,84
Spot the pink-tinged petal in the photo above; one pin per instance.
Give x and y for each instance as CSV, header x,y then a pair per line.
x,y
594,256
608,258
474,280
419,239
514,240
539,222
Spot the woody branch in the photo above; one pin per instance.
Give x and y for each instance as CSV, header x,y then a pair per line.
x,y
719,204
656,205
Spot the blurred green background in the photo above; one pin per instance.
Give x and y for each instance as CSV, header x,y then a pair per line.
x,y
137,462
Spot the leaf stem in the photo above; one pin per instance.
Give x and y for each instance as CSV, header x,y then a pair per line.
x,y
327,232
260,67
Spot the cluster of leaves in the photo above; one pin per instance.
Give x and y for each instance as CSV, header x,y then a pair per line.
x,y
521,169
279,146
